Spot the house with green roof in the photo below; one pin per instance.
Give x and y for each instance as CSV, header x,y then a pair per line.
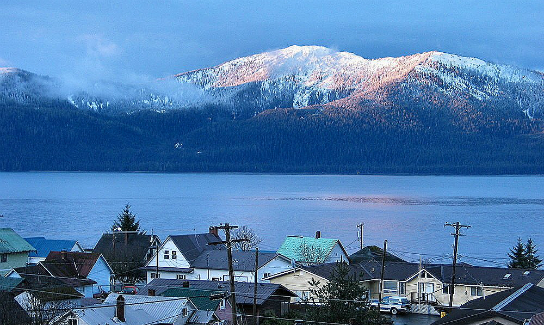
x,y
211,305
313,250
14,250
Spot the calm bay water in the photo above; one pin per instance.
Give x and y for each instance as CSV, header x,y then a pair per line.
x,y
408,211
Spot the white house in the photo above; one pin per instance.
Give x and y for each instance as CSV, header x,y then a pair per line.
x,y
203,257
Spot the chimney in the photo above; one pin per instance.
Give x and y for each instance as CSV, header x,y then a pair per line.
x,y
214,231
151,292
120,308
317,234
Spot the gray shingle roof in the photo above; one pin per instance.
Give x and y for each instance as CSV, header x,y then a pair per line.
x,y
191,246
128,247
242,260
244,290
515,305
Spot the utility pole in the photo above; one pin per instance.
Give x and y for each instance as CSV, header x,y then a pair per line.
x,y
361,228
382,275
458,226
255,287
226,227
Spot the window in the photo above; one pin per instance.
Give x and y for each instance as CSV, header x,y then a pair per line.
x,y
402,288
4,258
476,291
446,289
389,286
174,255
166,254
507,276
185,312
180,277
266,275
222,304
72,321
155,275
215,279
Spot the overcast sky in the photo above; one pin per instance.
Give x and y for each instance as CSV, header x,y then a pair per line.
x,y
125,39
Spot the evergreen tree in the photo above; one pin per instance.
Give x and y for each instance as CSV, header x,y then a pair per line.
x,y
126,221
533,262
518,256
342,300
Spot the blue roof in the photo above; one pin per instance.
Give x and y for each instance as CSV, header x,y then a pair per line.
x,y
44,246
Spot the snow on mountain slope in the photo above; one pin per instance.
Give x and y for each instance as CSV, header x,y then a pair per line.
x,y
300,76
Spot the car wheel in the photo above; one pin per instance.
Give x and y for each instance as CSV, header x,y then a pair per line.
x,y
394,311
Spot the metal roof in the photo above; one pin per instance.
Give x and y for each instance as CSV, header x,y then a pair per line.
x,y
44,246
11,242
307,249
200,298
165,309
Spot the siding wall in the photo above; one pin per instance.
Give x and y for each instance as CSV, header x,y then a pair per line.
x,y
298,282
15,260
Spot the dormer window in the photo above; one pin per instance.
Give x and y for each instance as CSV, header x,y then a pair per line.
x,y
507,276
166,254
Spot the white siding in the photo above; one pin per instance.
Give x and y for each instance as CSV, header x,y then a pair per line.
x,y
337,255
169,246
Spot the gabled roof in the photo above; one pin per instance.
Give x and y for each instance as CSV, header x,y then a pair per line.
x,y
244,290
125,246
327,270
372,253
11,242
515,305
191,246
44,246
37,277
200,298
241,260
308,249
70,264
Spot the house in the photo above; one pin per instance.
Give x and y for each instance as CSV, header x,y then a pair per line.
x,y
203,257
177,253
430,283
299,279
126,252
310,250
210,309
512,306
131,310
213,265
45,246
14,250
271,297
88,273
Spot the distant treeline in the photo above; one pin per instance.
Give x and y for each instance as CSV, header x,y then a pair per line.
x,y
395,139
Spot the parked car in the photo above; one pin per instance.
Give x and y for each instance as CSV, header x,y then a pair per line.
x,y
393,305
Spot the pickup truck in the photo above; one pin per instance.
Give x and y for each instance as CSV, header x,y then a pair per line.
x,y
393,305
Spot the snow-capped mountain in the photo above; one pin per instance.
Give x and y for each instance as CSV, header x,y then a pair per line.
x,y
301,76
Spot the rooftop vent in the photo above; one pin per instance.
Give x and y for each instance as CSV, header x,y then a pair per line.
x,y
526,273
507,276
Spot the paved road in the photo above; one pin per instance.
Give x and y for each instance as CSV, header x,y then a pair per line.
x,y
413,319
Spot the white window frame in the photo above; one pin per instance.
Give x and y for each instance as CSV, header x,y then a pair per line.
x,y
474,291
174,255
181,276
166,254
